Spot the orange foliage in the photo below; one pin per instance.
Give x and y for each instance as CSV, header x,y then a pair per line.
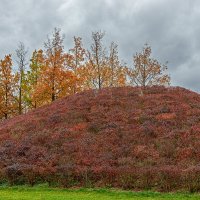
x,y
8,88
148,71
166,116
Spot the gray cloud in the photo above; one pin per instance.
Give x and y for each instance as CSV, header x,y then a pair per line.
x,y
171,27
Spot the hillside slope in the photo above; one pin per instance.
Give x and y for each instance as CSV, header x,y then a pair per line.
x,y
114,137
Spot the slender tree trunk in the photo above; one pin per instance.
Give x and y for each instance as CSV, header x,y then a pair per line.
x,y
20,100
35,104
53,95
99,82
53,98
6,114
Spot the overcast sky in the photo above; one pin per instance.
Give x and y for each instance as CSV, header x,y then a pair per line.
x,y
171,27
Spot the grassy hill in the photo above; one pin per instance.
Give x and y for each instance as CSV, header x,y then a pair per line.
x,y
113,137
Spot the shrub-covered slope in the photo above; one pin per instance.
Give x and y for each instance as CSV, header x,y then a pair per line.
x,y
114,137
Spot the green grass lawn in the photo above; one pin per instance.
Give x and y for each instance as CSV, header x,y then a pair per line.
x,y
44,193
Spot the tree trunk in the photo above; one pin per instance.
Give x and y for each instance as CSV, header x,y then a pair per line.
x,y
20,100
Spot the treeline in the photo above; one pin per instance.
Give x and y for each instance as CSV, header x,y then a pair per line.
x,y
53,73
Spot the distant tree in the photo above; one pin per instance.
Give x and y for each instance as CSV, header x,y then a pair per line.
x,y
32,79
55,79
104,66
148,71
54,55
117,71
76,60
21,54
8,88
97,59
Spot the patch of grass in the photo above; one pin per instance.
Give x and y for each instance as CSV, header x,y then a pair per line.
x,y
42,192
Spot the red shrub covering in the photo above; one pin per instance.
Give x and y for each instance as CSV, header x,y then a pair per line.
x,y
113,137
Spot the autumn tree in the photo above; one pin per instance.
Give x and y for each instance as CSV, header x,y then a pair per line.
x,y
32,79
76,58
54,81
148,71
117,71
104,67
97,59
8,87
21,54
54,62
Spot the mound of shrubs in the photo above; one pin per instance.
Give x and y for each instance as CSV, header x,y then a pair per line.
x,y
110,138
